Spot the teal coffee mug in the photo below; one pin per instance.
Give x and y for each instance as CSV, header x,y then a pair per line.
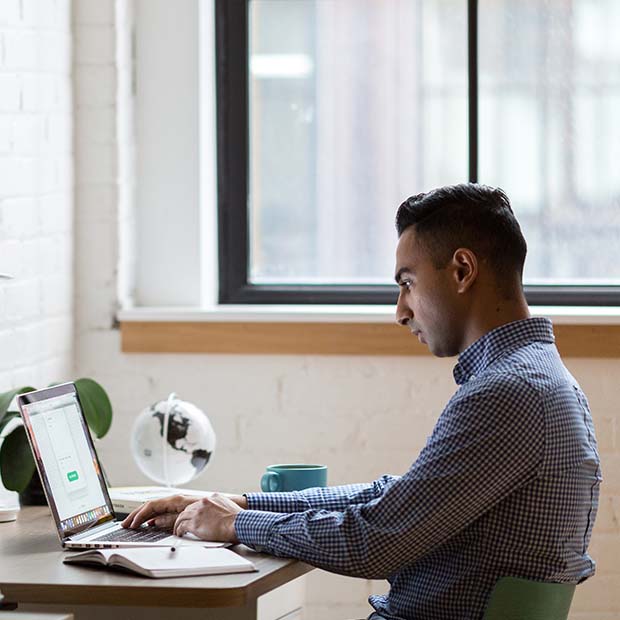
x,y
293,477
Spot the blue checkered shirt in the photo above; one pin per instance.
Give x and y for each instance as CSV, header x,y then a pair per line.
x,y
507,484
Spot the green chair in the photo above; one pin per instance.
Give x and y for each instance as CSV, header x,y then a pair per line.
x,y
522,599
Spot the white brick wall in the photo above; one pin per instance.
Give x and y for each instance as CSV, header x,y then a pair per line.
x,y
36,193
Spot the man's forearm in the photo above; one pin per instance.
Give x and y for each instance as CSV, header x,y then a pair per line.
x,y
320,498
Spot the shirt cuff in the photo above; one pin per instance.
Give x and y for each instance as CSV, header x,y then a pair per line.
x,y
253,527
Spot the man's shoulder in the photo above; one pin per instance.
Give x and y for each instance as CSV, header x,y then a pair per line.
x,y
536,366
494,396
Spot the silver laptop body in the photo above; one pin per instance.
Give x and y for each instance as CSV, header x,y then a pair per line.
x,y
72,477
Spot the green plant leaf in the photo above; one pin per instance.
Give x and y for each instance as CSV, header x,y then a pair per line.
x,y
16,462
96,406
8,416
7,397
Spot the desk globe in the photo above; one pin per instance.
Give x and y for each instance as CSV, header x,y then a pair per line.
x,y
172,441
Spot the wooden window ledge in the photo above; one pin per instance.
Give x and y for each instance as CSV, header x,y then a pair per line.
x,y
344,336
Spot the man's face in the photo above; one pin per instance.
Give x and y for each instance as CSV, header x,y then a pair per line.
x,y
428,303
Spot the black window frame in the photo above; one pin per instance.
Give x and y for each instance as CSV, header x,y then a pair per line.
x,y
231,31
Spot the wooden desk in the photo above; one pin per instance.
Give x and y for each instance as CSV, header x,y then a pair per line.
x,y
32,572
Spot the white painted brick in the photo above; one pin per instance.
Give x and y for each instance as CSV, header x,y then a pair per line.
x,y
10,260
608,517
48,255
57,369
606,434
64,93
46,14
10,14
59,133
95,85
59,335
22,50
26,376
9,346
22,301
605,550
35,157
598,594
96,164
93,12
6,380
30,258
64,171
29,134
39,92
6,134
18,176
55,173
57,295
96,125
610,464
95,204
29,349
10,91
55,213
56,48
94,44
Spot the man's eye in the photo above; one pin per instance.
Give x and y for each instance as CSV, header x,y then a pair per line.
x,y
406,284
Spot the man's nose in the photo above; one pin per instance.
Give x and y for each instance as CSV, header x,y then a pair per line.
x,y
403,312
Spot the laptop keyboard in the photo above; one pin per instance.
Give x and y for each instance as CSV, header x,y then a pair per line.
x,y
144,534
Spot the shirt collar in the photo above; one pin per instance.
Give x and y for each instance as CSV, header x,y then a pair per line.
x,y
499,341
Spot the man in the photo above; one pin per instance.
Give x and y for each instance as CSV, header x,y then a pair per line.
x,y
507,483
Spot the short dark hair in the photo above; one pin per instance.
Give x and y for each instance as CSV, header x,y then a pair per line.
x,y
468,215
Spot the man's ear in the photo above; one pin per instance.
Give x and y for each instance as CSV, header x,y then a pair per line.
x,y
465,268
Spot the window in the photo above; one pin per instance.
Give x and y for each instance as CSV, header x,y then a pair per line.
x,y
331,112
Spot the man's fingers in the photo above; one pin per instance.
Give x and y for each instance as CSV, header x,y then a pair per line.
x,y
154,508
180,524
164,522
145,512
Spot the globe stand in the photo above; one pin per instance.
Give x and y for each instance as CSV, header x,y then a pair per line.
x,y
164,437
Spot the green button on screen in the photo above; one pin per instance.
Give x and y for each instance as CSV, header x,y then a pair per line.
x,y
72,475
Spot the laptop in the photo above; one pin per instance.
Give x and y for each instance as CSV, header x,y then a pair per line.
x,y
72,478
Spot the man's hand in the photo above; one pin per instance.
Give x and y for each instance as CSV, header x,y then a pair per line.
x,y
159,512
240,500
210,518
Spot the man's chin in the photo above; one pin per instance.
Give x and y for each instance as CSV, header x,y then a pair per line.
x,y
439,351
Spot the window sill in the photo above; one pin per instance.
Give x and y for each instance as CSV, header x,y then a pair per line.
x,y
331,330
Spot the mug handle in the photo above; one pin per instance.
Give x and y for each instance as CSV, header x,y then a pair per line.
x,y
270,482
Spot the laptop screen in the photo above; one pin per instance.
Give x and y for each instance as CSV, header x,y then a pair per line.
x,y
66,458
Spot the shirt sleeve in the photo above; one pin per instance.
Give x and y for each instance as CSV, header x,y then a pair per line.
x,y
328,498
485,446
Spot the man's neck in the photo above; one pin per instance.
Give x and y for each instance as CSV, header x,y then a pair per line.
x,y
494,315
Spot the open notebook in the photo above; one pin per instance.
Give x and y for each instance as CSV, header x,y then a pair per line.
x,y
163,562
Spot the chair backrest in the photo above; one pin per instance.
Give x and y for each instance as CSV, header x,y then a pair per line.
x,y
522,599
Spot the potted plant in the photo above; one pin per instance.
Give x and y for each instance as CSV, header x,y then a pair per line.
x,y
17,466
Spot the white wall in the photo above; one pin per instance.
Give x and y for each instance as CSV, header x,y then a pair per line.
x,y
36,193
361,416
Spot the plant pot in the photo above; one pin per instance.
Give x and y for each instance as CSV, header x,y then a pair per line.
x,y
33,494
